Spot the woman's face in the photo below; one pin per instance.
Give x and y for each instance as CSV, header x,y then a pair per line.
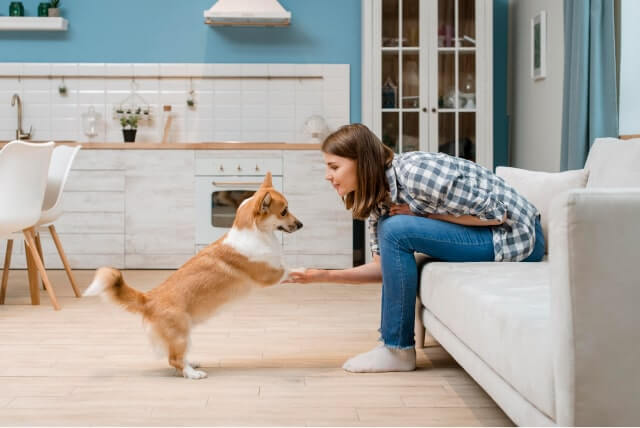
x,y
341,173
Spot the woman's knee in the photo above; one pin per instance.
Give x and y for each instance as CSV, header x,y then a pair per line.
x,y
390,229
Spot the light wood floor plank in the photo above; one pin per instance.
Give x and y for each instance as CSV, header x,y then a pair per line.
x,y
273,359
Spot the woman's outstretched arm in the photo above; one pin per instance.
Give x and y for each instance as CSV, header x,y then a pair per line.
x,y
364,274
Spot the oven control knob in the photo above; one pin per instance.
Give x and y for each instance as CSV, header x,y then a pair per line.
x,y
239,169
221,168
257,168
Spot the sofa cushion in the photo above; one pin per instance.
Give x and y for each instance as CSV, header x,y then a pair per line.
x,y
501,311
614,163
540,188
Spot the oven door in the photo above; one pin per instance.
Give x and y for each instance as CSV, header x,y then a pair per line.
x,y
218,198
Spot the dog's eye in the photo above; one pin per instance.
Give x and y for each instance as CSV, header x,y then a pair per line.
x,y
284,212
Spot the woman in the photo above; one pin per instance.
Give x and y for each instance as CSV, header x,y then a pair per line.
x,y
447,207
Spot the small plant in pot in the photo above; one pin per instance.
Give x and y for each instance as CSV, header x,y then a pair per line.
x,y
54,10
129,124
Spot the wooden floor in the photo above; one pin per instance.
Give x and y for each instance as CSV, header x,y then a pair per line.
x,y
272,359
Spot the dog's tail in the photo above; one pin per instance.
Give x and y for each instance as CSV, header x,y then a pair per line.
x,y
109,281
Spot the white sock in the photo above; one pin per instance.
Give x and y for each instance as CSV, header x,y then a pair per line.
x,y
382,359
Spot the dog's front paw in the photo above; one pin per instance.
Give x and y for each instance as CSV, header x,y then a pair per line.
x,y
190,373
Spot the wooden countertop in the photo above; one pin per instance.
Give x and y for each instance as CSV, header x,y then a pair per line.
x,y
189,146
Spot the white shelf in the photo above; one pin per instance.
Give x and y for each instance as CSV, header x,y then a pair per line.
x,y
32,23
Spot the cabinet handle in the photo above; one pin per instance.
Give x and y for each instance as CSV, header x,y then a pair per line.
x,y
236,183
221,168
257,168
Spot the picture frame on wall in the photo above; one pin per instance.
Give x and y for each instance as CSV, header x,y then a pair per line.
x,y
539,46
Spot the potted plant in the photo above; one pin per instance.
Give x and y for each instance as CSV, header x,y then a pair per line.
x,y
53,9
129,124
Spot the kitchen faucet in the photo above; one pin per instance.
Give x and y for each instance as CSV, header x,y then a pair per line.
x,y
19,133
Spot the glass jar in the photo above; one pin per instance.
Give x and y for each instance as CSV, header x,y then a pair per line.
x,y
43,9
90,122
16,8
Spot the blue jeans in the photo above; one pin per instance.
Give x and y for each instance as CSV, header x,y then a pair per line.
x,y
399,237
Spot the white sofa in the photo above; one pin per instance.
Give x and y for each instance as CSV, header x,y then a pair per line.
x,y
555,342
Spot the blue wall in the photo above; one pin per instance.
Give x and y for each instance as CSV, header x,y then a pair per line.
x,y
322,32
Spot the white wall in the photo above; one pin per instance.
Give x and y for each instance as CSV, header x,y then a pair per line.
x,y
629,67
535,106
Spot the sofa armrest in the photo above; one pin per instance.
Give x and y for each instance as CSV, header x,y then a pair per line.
x,y
594,251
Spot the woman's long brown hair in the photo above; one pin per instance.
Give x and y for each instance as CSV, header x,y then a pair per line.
x,y
372,158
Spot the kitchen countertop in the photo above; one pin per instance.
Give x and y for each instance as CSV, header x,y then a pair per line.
x,y
189,146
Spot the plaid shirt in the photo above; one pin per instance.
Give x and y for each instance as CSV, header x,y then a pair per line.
x,y
442,184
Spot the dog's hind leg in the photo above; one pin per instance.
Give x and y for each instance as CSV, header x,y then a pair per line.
x,y
177,351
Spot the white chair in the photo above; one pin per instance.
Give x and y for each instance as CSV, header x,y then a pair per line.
x,y
23,179
61,162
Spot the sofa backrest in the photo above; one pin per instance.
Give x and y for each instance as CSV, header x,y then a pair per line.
x,y
614,163
540,188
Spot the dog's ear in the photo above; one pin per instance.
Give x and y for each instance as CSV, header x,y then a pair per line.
x,y
266,201
267,180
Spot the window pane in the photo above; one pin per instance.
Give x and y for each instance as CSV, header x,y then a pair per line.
x,y
390,130
410,23
447,133
446,23
410,131
446,80
410,80
467,79
466,24
389,80
467,143
390,32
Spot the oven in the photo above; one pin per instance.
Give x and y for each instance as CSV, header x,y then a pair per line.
x,y
220,187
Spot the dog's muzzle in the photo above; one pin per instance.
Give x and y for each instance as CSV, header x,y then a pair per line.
x,y
291,228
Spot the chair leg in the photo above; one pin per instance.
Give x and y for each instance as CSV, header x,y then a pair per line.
x,y
39,246
63,257
29,236
32,274
5,271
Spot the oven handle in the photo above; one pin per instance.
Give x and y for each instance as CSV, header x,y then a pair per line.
x,y
236,183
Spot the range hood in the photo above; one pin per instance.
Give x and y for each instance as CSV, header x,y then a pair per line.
x,y
248,13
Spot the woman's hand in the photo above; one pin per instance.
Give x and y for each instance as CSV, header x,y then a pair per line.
x,y
400,209
307,276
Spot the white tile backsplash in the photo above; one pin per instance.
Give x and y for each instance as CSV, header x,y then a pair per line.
x,y
237,102
92,69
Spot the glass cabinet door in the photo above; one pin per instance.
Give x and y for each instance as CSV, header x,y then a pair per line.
x,y
400,74
456,78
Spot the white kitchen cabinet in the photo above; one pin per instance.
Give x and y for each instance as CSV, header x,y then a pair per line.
x,y
136,209
92,228
325,241
159,206
427,79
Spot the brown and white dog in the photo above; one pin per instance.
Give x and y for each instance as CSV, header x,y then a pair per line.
x,y
248,256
